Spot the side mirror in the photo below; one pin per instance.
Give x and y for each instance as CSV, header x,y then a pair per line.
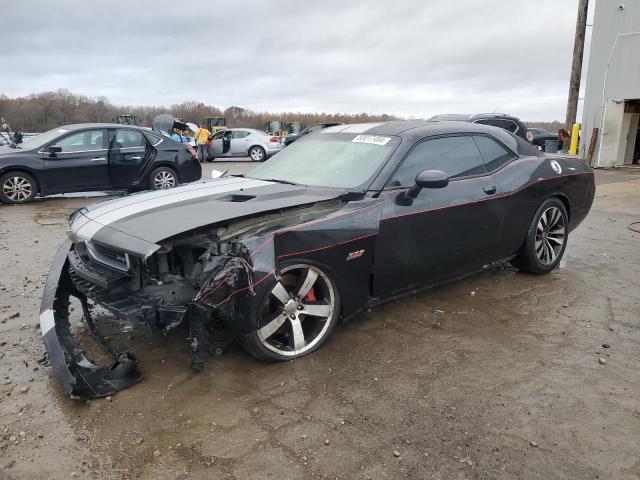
x,y
432,179
424,179
54,150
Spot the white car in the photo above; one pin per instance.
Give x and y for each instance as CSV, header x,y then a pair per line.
x,y
243,142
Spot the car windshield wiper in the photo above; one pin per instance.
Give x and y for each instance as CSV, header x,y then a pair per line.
x,y
277,180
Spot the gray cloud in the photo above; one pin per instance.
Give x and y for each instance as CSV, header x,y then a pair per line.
x,y
411,57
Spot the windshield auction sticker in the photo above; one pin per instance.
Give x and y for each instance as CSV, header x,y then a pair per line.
x,y
372,139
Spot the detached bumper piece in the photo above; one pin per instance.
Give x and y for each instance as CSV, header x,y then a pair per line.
x,y
79,377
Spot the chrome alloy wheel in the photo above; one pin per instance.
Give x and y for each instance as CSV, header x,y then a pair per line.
x,y
256,154
17,188
298,310
164,179
550,235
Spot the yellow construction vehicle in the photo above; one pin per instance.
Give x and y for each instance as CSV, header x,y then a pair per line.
x,y
274,127
214,124
294,127
126,119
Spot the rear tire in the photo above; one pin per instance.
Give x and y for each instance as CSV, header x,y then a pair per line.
x,y
17,187
297,315
257,154
162,178
546,239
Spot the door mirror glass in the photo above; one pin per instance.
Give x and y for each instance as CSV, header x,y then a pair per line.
x,y
54,149
432,179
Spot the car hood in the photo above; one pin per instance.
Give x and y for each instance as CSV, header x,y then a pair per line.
x,y
5,151
136,223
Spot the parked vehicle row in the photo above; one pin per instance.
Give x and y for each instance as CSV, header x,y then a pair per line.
x,y
94,157
89,157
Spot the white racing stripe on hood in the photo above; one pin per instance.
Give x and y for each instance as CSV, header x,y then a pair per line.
x,y
102,217
118,203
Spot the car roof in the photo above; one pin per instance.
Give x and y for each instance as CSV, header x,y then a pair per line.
x,y
83,126
411,128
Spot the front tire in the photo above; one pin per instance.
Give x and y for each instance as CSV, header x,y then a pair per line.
x,y
162,178
17,187
297,315
546,239
257,154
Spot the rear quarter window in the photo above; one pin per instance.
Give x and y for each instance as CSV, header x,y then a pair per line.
x,y
494,154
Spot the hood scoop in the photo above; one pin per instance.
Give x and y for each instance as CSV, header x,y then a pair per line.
x,y
236,197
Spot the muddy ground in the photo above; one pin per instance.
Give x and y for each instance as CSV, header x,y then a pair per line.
x,y
507,383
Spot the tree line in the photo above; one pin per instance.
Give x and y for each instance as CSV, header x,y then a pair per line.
x,y
40,112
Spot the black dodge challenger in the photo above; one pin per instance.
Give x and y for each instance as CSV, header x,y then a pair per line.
x,y
337,222
93,157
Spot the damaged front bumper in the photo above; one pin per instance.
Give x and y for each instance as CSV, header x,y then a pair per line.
x,y
79,377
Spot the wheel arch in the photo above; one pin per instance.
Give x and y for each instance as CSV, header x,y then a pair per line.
x,y
39,183
565,201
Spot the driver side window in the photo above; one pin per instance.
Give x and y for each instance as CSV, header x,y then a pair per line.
x,y
81,141
455,156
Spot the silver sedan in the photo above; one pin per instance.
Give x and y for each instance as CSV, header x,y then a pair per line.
x,y
243,142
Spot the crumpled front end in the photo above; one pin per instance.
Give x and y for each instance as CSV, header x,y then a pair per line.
x,y
213,279
79,377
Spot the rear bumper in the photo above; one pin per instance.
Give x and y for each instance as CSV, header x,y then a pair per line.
x,y
78,376
273,148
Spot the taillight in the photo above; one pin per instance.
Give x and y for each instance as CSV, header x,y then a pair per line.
x,y
274,140
194,154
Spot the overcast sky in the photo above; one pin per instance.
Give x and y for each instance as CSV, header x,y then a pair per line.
x,y
413,58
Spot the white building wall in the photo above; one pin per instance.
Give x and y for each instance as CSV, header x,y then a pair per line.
x,y
622,78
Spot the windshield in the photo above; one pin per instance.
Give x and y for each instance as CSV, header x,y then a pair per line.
x,y
42,139
339,160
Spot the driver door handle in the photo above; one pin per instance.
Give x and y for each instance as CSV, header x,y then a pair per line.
x,y
99,159
490,190
135,158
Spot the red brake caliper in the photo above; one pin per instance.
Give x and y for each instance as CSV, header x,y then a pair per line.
x,y
310,297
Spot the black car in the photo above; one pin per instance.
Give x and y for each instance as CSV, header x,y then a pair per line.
x,y
292,137
539,136
94,157
501,120
333,224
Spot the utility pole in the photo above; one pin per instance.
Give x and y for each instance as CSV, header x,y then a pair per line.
x,y
576,66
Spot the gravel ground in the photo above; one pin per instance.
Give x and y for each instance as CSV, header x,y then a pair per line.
x,y
521,377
